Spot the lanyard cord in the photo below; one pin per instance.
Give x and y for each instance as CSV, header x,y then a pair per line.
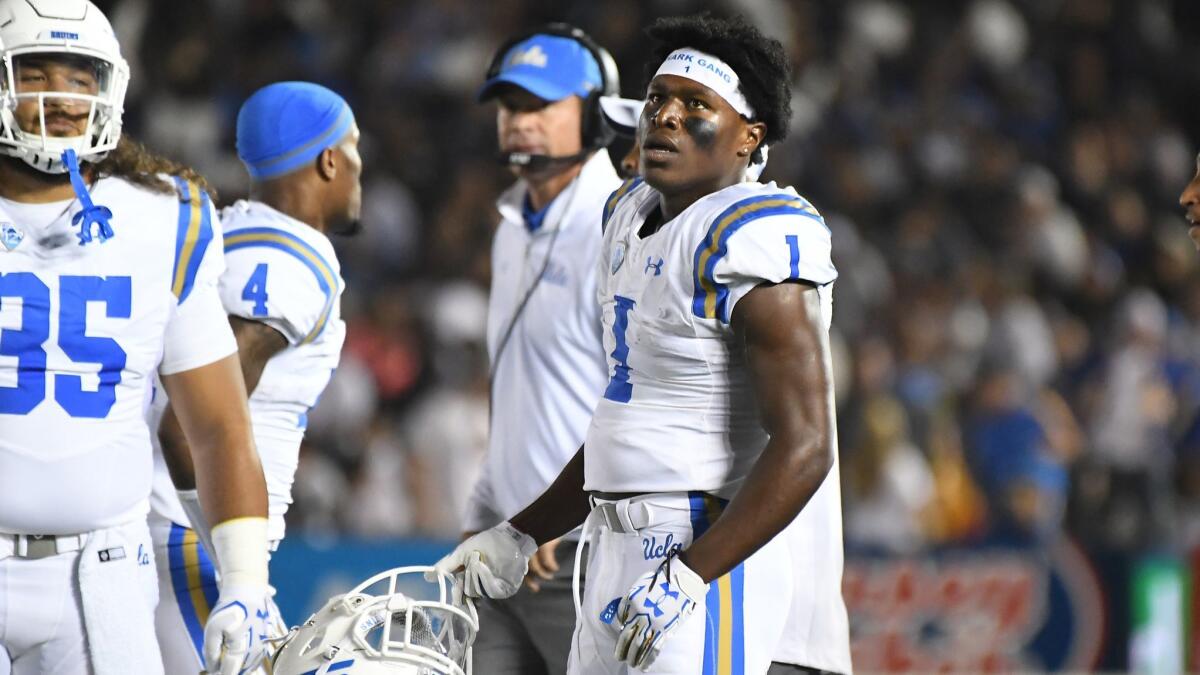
x,y
516,316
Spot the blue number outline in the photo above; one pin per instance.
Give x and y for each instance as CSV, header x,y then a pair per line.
x,y
256,290
75,292
619,388
28,342
25,343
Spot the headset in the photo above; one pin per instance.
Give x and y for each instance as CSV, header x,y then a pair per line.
x,y
595,133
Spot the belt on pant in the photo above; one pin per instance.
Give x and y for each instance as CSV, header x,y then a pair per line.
x,y
632,514
37,546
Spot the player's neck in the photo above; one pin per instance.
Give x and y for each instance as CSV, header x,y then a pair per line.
x,y
677,201
23,183
543,189
290,200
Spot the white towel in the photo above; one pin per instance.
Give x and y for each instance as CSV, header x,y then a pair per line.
x,y
118,606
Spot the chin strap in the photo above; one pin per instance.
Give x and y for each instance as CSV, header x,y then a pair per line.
x,y
91,213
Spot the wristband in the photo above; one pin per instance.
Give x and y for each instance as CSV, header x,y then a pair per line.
x,y
241,546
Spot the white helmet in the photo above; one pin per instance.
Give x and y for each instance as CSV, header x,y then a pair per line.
x,y
72,28
383,627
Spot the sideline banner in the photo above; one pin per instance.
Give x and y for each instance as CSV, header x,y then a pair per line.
x,y
986,609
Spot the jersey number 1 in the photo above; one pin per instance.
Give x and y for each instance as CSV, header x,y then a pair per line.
x,y
256,290
26,343
619,388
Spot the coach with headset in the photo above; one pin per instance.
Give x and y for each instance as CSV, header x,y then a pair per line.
x,y
548,367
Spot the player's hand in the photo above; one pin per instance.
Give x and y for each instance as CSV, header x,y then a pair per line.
x,y
656,604
542,565
237,629
493,562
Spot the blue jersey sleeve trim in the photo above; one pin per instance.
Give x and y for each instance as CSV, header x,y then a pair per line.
x,y
194,232
611,204
269,237
710,299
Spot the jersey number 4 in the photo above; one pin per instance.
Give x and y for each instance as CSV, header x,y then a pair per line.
x,y
27,344
256,290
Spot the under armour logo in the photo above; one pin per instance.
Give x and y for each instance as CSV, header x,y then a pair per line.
x,y
657,267
667,593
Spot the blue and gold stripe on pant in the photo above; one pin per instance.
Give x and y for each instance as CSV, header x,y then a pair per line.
x,y
193,580
724,635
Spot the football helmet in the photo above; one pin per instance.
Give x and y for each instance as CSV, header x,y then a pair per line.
x,y
34,32
395,623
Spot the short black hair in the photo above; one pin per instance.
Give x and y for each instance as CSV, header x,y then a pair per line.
x,y
759,61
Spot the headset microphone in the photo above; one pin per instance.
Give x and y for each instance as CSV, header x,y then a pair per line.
x,y
540,162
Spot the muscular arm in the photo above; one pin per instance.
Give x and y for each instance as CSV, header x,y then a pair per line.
x,y
257,343
559,509
210,403
787,352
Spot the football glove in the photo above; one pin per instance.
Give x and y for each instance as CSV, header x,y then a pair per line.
x,y
235,637
656,605
494,562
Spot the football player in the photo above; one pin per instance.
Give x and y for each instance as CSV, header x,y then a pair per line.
x,y
109,260
622,115
716,430
282,289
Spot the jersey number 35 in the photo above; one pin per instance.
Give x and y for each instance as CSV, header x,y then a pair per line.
x,y
27,343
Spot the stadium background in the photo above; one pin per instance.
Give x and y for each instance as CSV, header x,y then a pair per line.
x,y
1017,324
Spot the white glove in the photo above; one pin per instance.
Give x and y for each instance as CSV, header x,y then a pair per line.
x,y
237,629
235,637
656,605
494,561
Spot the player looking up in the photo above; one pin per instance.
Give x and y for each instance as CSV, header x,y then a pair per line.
x,y
716,430
108,275
794,650
544,342
282,290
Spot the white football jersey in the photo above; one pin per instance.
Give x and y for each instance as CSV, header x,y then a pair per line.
x,y
285,274
679,410
83,328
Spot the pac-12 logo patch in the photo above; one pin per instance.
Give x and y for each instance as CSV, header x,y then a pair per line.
x,y
618,257
10,236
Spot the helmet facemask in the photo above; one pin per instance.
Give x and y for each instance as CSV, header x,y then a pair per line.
x,y
397,622
430,623
54,99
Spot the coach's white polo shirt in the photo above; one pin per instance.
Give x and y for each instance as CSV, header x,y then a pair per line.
x,y
548,378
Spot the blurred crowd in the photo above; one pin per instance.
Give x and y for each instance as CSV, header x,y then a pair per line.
x,y
1017,321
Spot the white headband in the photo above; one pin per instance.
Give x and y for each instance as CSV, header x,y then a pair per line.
x,y
709,71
